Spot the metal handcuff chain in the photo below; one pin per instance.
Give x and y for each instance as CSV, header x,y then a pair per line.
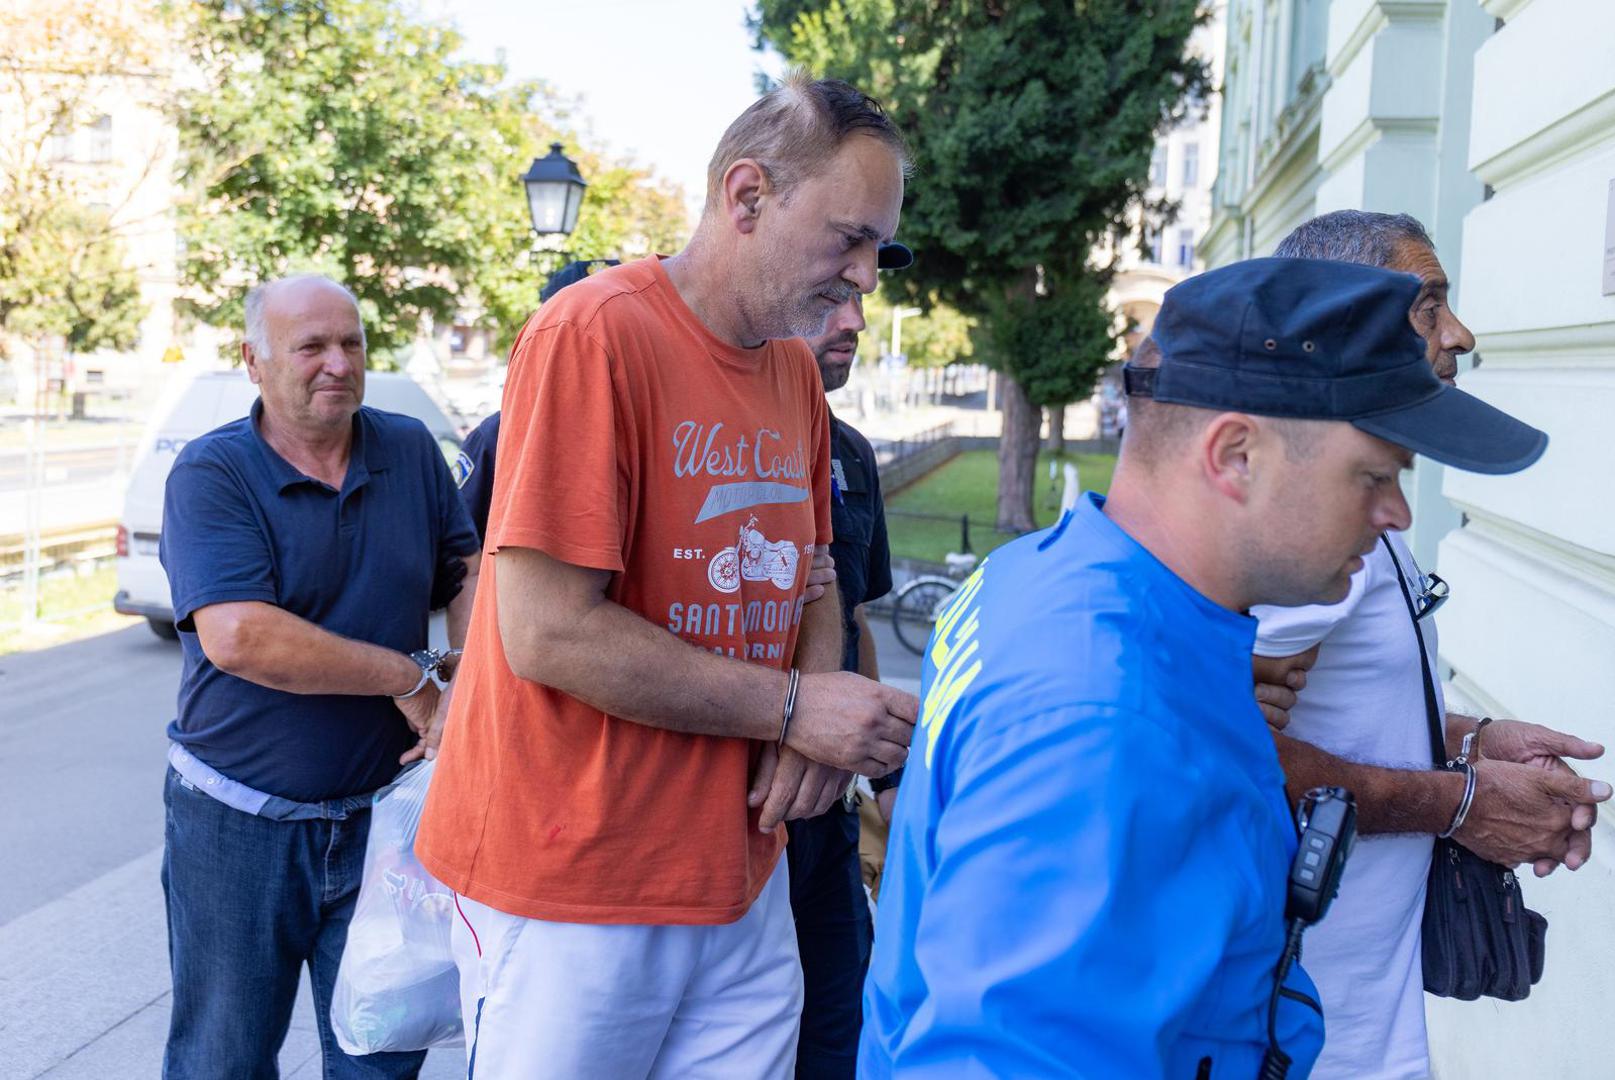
x,y
432,662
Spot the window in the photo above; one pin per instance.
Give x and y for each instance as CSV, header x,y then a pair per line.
x,y
1185,248
60,146
1191,164
101,139
1158,167
1152,243
459,341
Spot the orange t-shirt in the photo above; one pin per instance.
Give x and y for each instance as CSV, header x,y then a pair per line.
x,y
633,440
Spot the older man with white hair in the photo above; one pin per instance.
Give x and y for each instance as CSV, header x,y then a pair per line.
x,y
305,546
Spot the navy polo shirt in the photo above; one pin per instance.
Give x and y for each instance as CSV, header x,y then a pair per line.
x,y
473,471
242,523
858,522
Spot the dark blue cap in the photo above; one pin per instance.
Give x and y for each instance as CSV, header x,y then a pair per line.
x,y
1312,339
893,256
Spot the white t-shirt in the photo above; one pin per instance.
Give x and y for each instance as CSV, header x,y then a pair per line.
x,y
1364,701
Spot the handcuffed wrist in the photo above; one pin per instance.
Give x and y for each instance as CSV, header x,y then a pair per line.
x,y
1464,803
790,705
431,662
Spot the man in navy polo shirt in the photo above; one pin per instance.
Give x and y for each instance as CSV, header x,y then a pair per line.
x,y
1087,871
305,547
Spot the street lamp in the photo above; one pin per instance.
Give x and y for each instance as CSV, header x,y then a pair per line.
x,y
554,193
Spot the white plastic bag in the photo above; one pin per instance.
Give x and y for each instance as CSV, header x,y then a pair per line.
x,y
397,987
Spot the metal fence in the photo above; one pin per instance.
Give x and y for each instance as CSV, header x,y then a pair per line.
x,y
894,450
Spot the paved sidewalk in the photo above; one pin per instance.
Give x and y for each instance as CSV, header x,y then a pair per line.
x,y
84,987
84,992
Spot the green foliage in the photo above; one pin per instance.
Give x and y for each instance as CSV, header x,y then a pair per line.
x,y
67,276
64,270
342,136
937,337
1031,125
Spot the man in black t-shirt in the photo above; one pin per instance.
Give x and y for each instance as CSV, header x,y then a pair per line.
x,y
833,926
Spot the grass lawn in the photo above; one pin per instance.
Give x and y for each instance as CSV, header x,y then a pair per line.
x,y
969,485
73,607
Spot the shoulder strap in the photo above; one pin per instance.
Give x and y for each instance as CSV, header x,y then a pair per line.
x,y
1438,741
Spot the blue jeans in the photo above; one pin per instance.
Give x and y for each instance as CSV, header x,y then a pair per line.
x,y
250,901
833,933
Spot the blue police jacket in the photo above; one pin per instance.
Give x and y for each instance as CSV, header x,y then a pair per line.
x,y
1086,871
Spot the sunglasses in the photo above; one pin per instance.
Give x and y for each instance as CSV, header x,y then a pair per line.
x,y
1432,592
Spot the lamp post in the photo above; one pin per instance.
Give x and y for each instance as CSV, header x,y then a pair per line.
x,y
554,193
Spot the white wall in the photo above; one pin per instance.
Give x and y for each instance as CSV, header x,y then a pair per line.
x,y
1530,630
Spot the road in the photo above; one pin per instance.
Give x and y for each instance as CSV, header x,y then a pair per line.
x,y
67,465
84,986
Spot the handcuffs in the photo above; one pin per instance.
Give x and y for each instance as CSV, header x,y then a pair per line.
x,y
432,662
1470,745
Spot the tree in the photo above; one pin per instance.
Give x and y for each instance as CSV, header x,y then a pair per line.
x,y
1031,124
70,279
937,337
342,136
64,272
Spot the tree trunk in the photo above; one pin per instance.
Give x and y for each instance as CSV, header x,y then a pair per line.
x,y
1056,415
1017,457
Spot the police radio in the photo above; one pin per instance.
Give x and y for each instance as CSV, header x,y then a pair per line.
x,y
1327,822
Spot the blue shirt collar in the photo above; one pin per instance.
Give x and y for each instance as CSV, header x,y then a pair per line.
x,y
1090,514
369,454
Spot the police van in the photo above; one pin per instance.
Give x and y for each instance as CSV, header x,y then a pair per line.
x,y
195,407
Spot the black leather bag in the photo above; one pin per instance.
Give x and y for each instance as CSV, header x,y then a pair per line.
x,y
1479,937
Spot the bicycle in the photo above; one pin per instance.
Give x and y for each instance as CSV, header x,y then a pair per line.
x,y
918,603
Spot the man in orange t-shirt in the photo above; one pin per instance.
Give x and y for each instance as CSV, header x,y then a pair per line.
x,y
625,739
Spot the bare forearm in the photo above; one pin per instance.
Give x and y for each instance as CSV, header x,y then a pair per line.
x,y
459,611
1458,725
621,664
270,646
1388,800
867,665
819,641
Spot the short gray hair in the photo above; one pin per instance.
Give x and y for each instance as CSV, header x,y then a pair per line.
x,y
255,329
796,128
1354,236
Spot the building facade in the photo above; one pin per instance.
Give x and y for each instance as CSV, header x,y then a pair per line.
x,y
1493,122
84,114
1182,168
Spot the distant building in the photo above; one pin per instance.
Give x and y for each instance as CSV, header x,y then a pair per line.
x,y
1153,258
117,152
1184,164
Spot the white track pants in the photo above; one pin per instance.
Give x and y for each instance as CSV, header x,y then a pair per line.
x,y
579,1001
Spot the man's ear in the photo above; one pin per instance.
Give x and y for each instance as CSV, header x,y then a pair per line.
x,y
744,185
249,360
1226,447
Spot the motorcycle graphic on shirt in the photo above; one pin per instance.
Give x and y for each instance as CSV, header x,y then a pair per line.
x,y
754,557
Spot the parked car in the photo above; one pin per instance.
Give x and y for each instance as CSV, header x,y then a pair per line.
x,y
194,408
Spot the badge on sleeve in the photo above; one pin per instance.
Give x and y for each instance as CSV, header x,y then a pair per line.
x,y
462,469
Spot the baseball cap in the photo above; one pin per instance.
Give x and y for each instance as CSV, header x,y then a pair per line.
x,y
1313,339
894,256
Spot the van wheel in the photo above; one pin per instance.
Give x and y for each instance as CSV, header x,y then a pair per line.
x,y
163,628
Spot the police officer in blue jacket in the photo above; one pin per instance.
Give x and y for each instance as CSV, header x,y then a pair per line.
x,y
1087,867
